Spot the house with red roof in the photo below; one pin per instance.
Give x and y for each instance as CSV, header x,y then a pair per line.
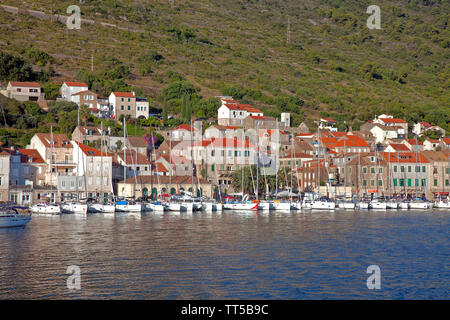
x,y
413,144
233,113
24,91
431,144
397,147
92,176
69,88
389,121
421,127
122,103
351,144
445,143
409,172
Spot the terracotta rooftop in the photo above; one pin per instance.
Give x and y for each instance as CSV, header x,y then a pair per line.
x,y
25,84
60,140
32,154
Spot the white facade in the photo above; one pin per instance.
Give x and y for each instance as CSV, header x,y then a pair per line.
x,y
230,114
68,89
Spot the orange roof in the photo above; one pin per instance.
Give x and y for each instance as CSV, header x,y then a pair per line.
x,y
352,141
89,151
25,84
160,167
60,140
33,153
392,120
446,140
124,94
243,107
184,127
327,140
399,147
404,157
413,142
328,119
76,84
81,92
433,140
339,134
229,100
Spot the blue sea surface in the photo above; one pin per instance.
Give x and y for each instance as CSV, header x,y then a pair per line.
x,y
292,256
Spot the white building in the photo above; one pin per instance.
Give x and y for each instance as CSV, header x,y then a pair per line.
x,y
231,113
70,88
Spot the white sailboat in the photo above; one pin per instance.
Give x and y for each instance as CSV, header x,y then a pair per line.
x,y
379,202
345,203
418,203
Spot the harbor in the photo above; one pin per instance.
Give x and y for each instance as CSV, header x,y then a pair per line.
x,y
312,254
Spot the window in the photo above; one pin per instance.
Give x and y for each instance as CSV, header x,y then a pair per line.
x,y
121,99
380,183
129,99
212,167
230,153
409,183
395,168
423,169
380,170
402,169
424,182
402,182
435,170
446,182
364,182
122,107
435,182
364,170
129,107
395,182
372,170
409,168
372,183
417,182
417,168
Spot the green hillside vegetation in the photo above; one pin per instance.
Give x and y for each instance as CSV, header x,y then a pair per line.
x,y
183,55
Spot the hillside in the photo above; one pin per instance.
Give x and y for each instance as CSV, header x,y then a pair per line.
x,y
333,64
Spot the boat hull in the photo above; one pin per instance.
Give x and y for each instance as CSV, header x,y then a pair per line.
x,y
323,205
240,206
14,220
128,208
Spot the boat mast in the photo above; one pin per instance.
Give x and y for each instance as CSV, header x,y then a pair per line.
x,y
101,162
124,156
318,161
276,161
257,161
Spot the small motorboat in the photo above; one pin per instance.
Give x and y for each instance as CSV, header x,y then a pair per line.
x,y
10,217
46,208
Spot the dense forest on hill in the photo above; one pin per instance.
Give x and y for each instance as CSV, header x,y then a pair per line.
x,y
181,54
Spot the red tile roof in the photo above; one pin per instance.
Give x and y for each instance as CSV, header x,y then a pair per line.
x,y
89,151
446,140
392,120
243,107
60,140
31,153
404,157
328,119
25,84
399,147
413,142
124,94
425,124
184,127
81,92
352,141
160,167
76,84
